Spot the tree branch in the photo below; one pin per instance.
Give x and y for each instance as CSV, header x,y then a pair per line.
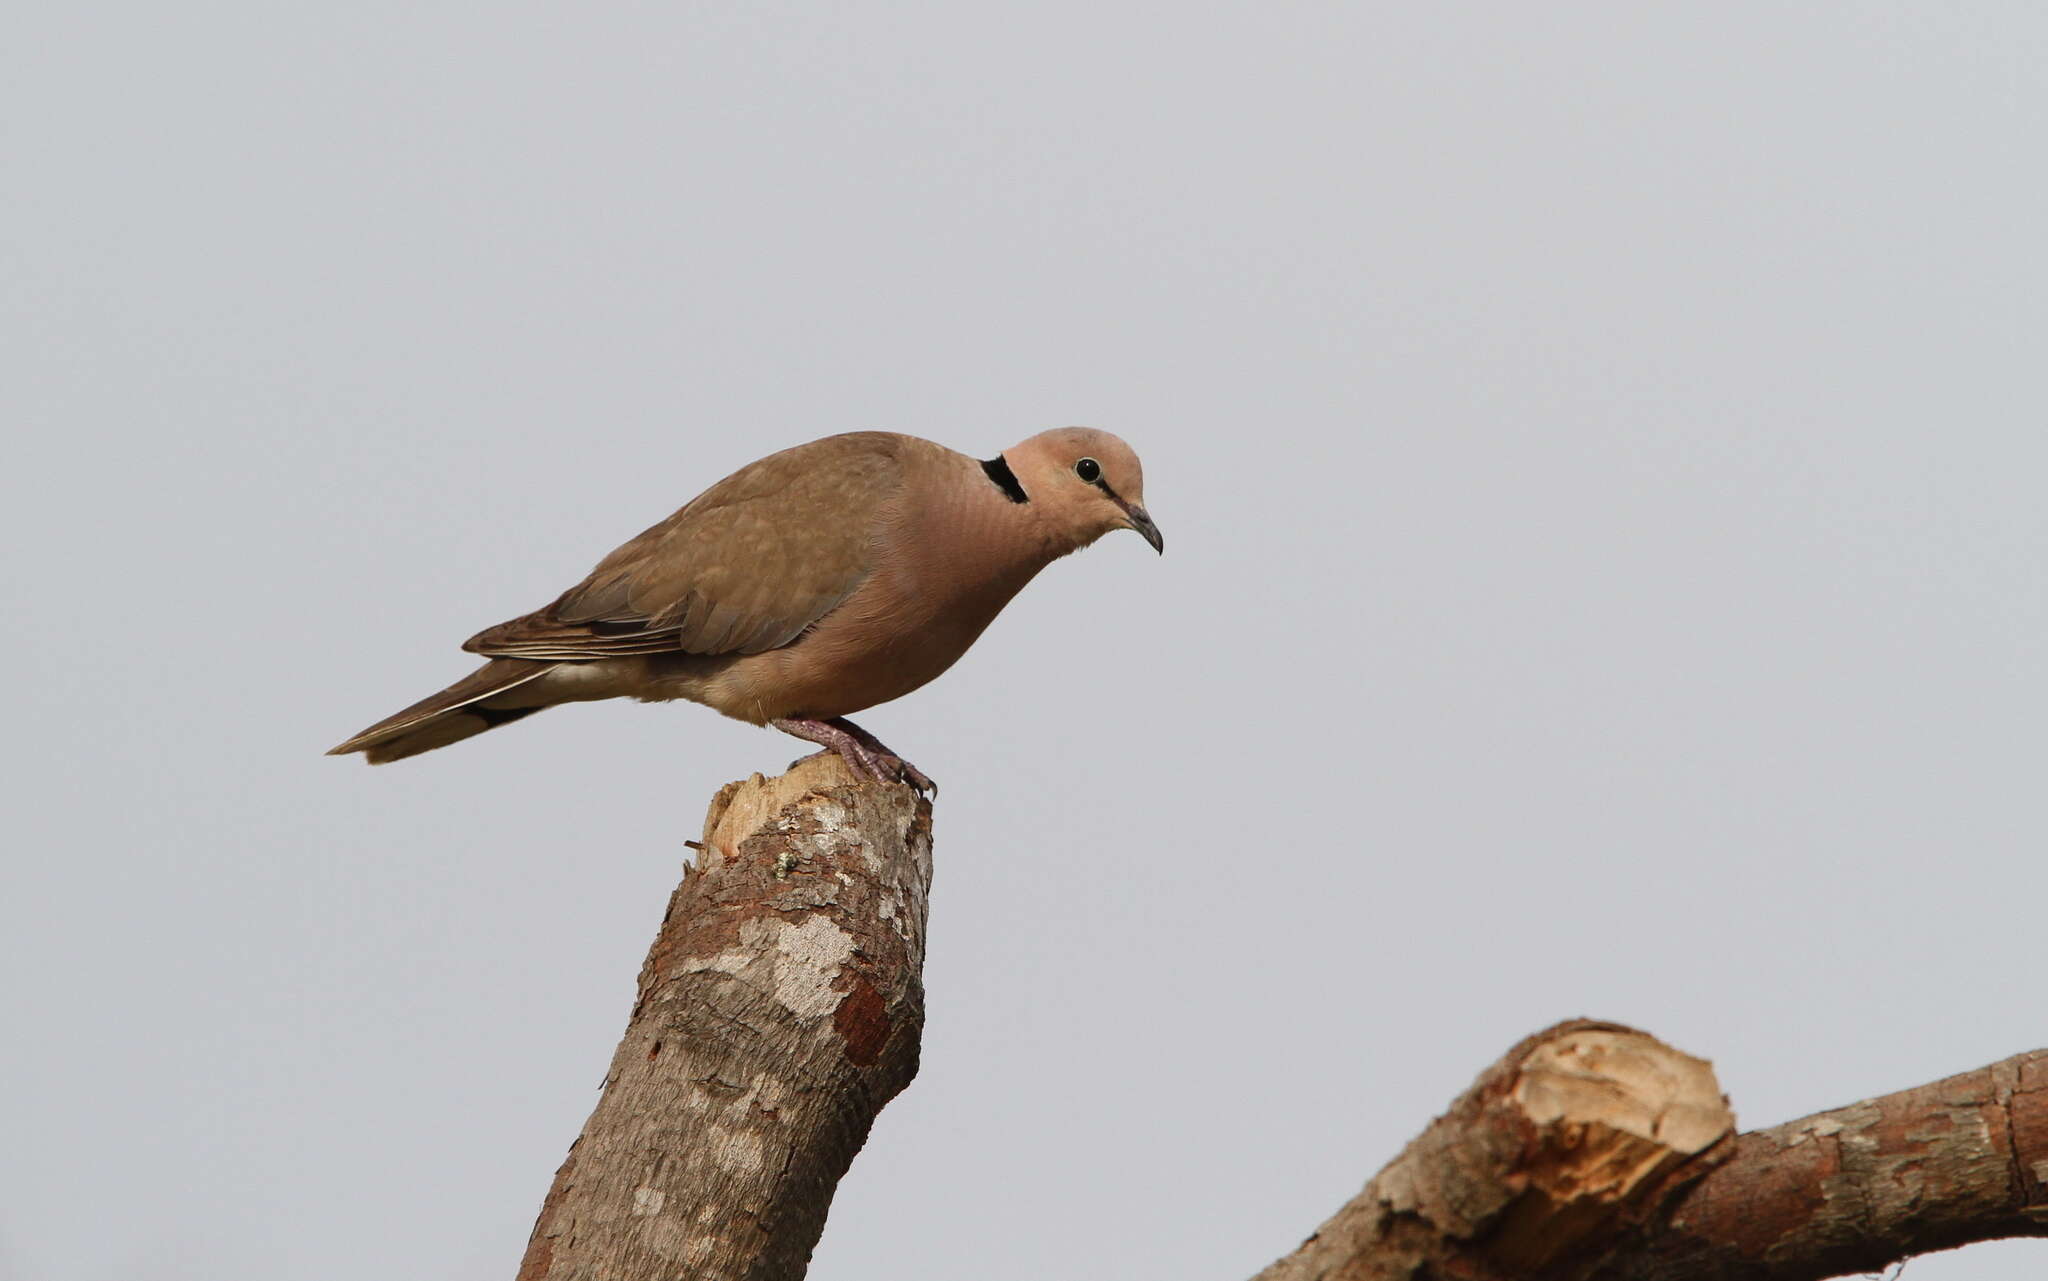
x,y
779,1009
1853,1190
1593,1152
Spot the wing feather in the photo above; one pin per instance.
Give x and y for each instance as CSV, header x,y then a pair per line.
x,y
747,566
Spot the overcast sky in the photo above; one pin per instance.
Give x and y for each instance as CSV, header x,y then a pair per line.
x,y
1601,450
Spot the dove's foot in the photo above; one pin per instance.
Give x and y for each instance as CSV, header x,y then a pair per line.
x,y
860,749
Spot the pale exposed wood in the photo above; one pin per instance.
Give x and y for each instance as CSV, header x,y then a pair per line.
x,y
1577,1133
779,1009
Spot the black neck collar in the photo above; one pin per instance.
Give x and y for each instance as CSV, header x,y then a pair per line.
x,y
1006,480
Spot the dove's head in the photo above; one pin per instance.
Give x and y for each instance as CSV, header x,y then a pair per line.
x,y
1085,483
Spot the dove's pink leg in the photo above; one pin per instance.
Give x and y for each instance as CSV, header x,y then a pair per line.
x,y
862,750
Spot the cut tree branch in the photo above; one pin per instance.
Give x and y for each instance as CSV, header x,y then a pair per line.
x,y
779,1009
1594,1152
782,1003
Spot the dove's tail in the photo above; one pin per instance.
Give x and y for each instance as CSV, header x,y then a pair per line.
x,y
488,697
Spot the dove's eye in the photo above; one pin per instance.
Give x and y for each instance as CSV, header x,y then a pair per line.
x,y
1089,470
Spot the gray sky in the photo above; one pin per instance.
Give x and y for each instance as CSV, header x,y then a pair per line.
x,y
1602,450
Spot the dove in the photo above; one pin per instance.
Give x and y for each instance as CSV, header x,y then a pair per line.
x,y
812,584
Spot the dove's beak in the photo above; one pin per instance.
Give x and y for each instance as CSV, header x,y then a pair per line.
x,y
1142,522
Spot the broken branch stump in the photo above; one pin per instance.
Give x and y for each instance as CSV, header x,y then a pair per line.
x,y
1594,1152
779,1009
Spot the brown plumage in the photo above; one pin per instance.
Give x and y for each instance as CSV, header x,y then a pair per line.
x,y
802,588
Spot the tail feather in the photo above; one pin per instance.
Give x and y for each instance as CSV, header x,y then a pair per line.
x,y
469,706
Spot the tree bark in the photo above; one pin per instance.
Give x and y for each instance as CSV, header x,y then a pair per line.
x,y
779,1009
1593,1152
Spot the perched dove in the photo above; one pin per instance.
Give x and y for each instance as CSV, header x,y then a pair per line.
x,y
800,589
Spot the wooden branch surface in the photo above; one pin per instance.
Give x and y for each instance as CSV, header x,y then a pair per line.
x,y
779,1009
1594,1152
1856,1189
